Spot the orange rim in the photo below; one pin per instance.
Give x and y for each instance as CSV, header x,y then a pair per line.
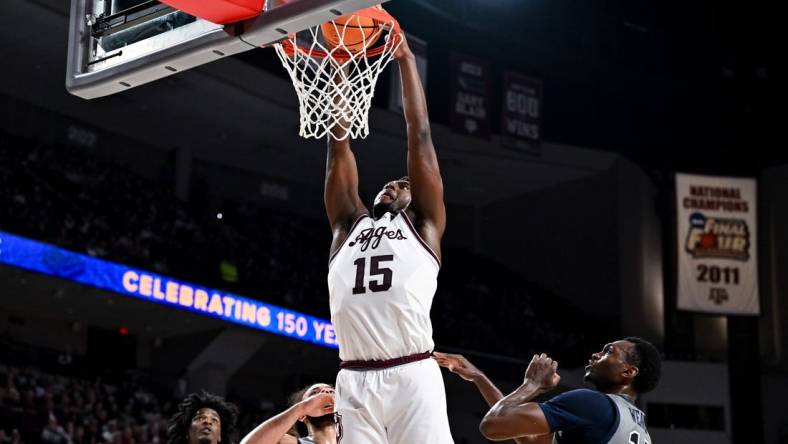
x,y
379,15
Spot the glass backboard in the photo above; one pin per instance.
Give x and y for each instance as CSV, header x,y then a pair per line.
x,y
115,45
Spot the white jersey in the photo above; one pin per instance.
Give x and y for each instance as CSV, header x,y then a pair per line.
x,y
631,423
381,282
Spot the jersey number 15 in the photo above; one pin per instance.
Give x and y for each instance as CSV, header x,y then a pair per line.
x,y
375,270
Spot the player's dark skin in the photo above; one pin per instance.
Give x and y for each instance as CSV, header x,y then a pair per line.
x,y
421,198
206,427
461,366
608,371
316,410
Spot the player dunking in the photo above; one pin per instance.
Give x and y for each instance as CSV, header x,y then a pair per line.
x,y
382,278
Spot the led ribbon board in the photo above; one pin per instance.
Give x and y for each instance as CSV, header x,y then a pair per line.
x,y
42,258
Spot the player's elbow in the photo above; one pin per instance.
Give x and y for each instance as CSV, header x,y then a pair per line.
x,y
491,429
420,132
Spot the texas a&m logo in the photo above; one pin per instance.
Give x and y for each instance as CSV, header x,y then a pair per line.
x,y
371,237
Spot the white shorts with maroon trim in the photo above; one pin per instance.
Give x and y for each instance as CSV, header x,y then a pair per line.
x,y
405,404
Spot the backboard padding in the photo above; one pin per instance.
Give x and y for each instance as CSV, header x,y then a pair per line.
x,y
154,41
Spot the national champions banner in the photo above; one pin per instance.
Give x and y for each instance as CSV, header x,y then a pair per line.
x,y
717,245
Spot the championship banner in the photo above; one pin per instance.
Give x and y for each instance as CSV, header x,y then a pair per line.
x,y
470,96
419,48
522,112
717,245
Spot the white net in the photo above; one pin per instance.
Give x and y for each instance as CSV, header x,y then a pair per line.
x,y
335,84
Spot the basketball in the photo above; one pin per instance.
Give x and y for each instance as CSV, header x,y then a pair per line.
x,y
353,32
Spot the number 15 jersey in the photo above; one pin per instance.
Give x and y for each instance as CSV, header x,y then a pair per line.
x,y
381,282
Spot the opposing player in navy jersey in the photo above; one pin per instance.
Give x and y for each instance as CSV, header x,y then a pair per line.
x,y
382,277
607,414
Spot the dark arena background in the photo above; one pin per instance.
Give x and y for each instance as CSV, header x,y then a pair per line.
x,y
565,132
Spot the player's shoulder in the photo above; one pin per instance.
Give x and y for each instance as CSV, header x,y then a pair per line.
x,y
290,439
584,402
583,394
581,409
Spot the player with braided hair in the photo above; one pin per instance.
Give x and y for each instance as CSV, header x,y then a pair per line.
x,y
202,418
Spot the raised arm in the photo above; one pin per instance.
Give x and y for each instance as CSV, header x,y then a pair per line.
x,y
426,184
462,367
274,430
343,204
516,415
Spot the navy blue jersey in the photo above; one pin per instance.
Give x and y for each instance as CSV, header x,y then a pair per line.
x,y
589,417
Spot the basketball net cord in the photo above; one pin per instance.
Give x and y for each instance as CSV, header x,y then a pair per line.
x,y
335,85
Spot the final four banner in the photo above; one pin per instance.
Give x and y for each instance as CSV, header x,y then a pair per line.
x,y
717,245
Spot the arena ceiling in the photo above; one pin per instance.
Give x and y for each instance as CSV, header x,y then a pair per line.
x,y
236,114
672,90
689,86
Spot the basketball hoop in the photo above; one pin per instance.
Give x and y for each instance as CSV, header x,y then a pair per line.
x,y
335,81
